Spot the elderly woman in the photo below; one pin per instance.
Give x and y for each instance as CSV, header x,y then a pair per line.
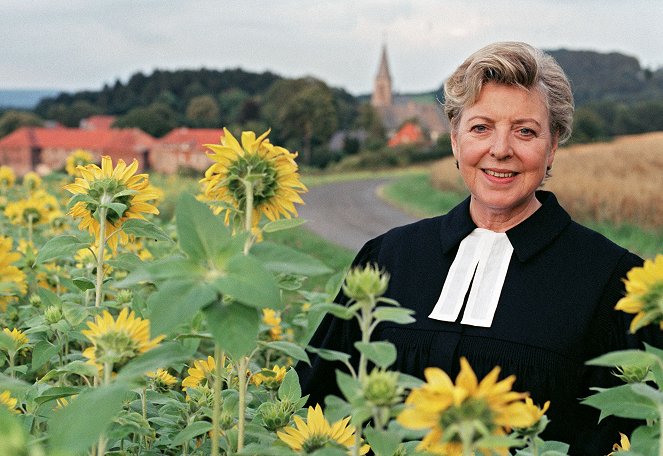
x,y
506,278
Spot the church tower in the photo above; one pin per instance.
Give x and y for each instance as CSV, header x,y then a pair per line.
x,y
382,90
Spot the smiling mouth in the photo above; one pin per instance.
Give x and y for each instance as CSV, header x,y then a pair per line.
x,y
499,174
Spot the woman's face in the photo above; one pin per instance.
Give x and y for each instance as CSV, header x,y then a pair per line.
x,y
503,145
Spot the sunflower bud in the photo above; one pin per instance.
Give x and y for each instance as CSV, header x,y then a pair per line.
x,y
35,300
52,315
276,415
124,296
632,374
381,388
226,421
365,284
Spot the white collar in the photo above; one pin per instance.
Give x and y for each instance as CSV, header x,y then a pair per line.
x,y
488,253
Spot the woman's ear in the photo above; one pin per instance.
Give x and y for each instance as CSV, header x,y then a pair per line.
x,y
553,149
454,143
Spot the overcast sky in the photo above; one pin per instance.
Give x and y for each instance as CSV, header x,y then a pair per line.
x,y
83,44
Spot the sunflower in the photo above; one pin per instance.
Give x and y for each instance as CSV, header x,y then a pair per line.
x,y
11,277
270,378
117,341
270,171
201,374
470,408
31,181
128,195
39,207
18,337
644,294
7,177
317,433
162,379
272,318
8,401
79,157
623,445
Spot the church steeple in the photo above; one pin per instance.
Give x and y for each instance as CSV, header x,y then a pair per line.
x,y
382,90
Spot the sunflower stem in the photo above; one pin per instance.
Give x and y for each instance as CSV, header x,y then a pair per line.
x,y
242,365
100,254
108,370
216,410
248,215
660,430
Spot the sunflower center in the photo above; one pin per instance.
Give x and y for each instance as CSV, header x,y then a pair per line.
x,y
473,411
653,299
31,215
259,172
115,347
314,442
100,190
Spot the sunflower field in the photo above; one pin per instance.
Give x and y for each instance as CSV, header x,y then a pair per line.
x,y
124,334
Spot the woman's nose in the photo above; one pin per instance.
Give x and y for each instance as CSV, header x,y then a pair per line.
x,y
501,146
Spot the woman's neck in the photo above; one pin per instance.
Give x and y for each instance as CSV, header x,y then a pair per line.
x,y
500,220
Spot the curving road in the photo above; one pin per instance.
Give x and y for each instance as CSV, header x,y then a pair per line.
x,y
350,213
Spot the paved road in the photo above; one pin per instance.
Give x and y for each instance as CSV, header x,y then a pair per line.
x,y
350,213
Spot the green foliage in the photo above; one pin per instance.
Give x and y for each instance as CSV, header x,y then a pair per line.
x,y
12,120
156,119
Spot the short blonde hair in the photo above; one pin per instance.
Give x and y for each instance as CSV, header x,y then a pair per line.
x,y
517,64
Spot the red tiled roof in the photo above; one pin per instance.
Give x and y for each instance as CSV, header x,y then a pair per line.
x,y
409,133
100,122
128,140
193,136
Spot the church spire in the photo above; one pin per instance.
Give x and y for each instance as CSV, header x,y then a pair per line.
x,y
382,95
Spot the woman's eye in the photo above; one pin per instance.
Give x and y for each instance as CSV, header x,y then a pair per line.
x,y
478,128
527,132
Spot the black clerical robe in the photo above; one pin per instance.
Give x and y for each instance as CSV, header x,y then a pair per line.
x,y
555,311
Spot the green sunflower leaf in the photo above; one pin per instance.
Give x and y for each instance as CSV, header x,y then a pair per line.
x,y
282,224
118,208
624,402
193,430
84,284
60,247
290,388
279,258
75,428
201,234
383,442
177,302
144,228
290,349
248,282
383,354
234,327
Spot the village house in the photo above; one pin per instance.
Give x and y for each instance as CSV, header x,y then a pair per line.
x,y
46,149
183,149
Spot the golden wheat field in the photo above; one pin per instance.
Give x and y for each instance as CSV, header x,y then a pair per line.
x,y
619,181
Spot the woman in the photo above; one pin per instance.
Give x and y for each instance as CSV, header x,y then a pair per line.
x,y
506,278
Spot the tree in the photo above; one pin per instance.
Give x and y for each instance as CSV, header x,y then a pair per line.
x,y
12,120
302,113
369,120
203,112
157,119
588,126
